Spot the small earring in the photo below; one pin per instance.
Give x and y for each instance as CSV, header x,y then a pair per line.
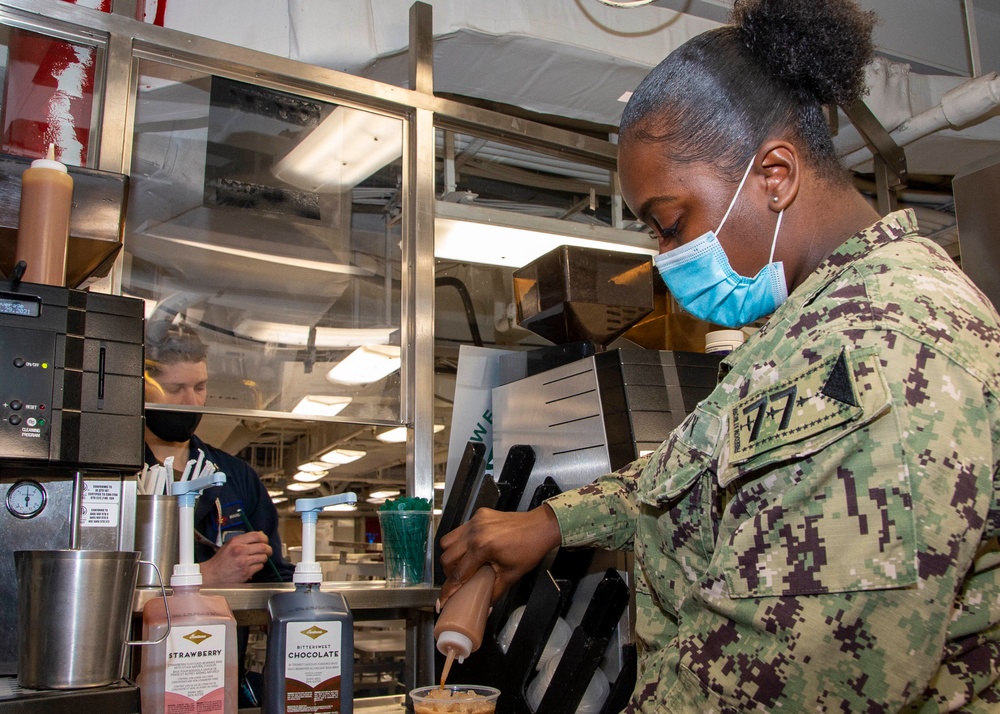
x,y
774,199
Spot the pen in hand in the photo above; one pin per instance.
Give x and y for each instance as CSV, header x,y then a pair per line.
x,y
249,527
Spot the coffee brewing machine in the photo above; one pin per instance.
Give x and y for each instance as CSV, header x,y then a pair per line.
x,y
563,416
71,434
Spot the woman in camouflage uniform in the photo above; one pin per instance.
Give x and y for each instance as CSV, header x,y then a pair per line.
x,y
821,534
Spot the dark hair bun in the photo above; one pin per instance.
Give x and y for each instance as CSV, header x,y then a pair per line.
x,y
818,48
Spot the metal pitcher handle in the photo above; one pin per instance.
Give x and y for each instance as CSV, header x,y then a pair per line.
x,y
163,594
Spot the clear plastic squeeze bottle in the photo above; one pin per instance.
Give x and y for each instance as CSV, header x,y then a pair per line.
x,y
460,627
43,227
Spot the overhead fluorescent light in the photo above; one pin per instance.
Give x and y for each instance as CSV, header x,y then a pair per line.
x,y
383,494
321,405
342,507
309,476
319,265
398,434
272,492
298,486
343,150
315,466
376,501
471,234
439,485
366,364
438,511
326,337
340,456
280,499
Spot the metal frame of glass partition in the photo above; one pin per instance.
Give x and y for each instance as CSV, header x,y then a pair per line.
x,y
123,42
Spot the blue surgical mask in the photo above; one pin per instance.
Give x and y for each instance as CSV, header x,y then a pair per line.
x,y
700,278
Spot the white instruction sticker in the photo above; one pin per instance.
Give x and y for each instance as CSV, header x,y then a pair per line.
x,y
196,664
312,652
102,491
101,504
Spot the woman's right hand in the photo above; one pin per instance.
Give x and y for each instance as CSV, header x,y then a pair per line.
x,y
511,542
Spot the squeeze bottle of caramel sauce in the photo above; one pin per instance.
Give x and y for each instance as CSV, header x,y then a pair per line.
x,y
460,627
43,228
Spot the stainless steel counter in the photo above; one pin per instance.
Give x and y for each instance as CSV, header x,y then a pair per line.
x,y
369,599
381,705
395,704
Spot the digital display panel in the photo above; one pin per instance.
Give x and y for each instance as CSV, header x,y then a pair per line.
x,y
23,305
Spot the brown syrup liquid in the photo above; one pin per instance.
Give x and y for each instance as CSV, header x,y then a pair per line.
x,y
447,667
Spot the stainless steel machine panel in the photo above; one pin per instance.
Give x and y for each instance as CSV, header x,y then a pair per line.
x,y
594,415
35,514
559,414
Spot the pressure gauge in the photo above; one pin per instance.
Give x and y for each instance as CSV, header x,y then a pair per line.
x,y
26,499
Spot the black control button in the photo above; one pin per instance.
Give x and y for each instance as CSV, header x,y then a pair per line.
x,y
14,419
16,404
18,362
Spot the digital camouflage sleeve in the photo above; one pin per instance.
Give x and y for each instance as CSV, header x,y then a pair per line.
x,y
820,535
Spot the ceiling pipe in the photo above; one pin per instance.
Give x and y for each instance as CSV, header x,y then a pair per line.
x,y
971,36
910,195
959,106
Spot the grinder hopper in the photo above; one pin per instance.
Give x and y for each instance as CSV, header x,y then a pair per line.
x,y
573,293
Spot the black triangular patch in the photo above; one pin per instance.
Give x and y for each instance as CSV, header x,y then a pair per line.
x,y
838,384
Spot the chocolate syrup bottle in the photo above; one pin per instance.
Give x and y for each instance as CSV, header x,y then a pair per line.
x,y
310,644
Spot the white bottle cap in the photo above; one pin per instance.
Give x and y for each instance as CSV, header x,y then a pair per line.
x,y
185,574
723,341
456,642
307,573
49,164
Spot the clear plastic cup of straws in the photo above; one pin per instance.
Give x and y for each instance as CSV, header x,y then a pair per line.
x,y
404,546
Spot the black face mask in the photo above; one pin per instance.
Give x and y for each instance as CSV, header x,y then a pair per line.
x,y
172,426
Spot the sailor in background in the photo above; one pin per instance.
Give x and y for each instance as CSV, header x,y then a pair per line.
x,y
821,534
236,524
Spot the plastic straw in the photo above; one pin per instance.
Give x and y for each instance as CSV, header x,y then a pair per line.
x,y
404,545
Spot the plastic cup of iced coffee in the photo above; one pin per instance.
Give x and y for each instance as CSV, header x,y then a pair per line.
x,y
454,699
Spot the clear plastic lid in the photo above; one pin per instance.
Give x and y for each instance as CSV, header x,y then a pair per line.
x,y
593,698
558,639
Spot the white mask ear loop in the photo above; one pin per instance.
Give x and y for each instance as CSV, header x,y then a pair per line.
x,y
733,202
775,241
